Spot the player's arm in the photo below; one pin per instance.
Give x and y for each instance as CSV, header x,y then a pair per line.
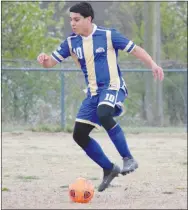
x,y
57,56
142,55
120,42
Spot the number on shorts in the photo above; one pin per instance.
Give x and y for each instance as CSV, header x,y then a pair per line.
x,y
109,97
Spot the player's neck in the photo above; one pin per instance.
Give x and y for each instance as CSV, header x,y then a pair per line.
x,y
88,31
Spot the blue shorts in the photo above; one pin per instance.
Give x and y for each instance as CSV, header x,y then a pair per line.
x,y
88,110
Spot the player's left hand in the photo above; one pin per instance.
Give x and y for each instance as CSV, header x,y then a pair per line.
x,y
158,72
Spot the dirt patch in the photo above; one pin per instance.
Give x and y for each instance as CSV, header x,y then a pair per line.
x,y
38,167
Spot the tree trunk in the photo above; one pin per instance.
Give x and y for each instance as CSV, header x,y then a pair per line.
x,y
158,105
148,40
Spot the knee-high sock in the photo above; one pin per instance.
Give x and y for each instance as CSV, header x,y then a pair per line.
x,y
95,152
117,136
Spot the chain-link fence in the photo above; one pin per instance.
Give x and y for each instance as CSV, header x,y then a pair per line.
x,y
32,96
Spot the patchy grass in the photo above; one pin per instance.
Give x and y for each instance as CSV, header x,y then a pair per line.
x,y
184,163
47,128
181,188
4,189
25,178
64,186
168,193
69,129
138,130
131,129
93,178
34,147
52,129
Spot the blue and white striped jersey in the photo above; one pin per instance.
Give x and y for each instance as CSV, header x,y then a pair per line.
x,y
97,56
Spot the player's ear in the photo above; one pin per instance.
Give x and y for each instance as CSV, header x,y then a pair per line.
x,y
89,19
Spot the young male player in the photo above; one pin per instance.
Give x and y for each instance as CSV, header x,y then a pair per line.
x,y
95,49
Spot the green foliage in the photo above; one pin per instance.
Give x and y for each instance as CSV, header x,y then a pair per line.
x,y
128,17
5,189
174,30
26,89
25,29
175,99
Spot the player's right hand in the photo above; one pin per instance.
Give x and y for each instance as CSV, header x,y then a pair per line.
x,y
42,57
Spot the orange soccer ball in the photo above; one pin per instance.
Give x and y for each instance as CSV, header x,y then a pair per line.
x,y
81,191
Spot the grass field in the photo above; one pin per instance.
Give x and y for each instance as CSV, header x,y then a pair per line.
x,y
37,168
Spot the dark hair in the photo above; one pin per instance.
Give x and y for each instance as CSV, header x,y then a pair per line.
x,y
84,8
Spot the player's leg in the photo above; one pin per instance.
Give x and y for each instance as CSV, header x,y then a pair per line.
x,y
105,114
106,110
90,145
85,122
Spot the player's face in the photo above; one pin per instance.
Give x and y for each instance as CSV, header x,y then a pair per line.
x,y
78,23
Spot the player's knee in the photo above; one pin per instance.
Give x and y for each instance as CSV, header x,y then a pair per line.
x,y
104,112
81,138
107,122
105,115
81,134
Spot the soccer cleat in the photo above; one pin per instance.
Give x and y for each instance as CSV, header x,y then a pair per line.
x,y
109,175
129,165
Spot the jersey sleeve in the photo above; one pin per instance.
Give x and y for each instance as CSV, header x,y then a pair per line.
x,y
61,52
120,42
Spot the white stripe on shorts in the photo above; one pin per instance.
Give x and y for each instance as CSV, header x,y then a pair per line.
x,y
88,122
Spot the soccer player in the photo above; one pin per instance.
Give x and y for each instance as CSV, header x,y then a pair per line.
x,y
95,50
